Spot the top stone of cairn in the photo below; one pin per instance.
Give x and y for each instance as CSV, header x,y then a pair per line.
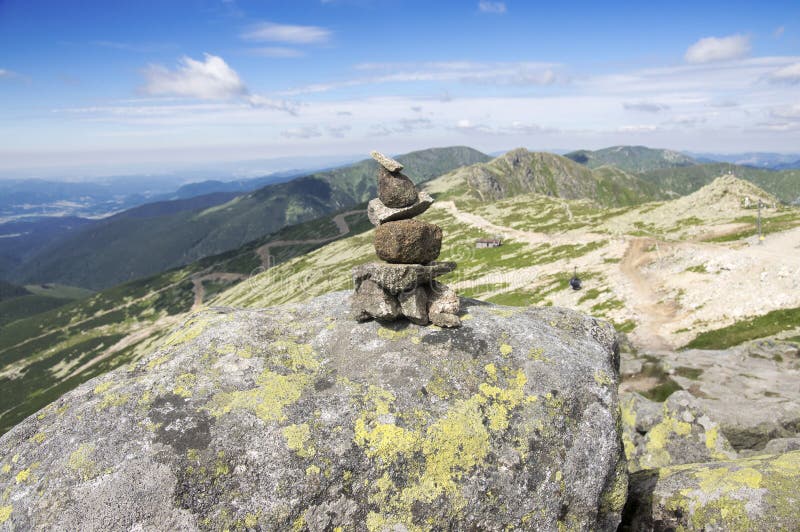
x,y
387,162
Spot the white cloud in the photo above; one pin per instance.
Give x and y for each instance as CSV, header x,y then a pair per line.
x,y
519,74
638,128
306,132
778,33
787,74
278,52
211,79
646,107
8,74
287,33
263,102
788,112
712,49
492,7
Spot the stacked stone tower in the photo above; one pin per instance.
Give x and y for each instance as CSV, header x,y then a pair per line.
x,y
403,285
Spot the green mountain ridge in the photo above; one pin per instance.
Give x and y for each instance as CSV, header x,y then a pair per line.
x,y
130,246
784,184
635,159
520,172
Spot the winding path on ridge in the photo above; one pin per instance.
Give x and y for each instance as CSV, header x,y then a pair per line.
x,y
263,253
653,313
628,277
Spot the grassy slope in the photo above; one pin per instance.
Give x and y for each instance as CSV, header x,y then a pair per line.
x,y
18,302
42,356
111,252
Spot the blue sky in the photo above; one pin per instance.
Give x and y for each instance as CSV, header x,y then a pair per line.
x,y
170,82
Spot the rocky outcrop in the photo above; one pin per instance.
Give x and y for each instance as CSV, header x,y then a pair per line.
x,y
758,493
297,417
675,432
750,390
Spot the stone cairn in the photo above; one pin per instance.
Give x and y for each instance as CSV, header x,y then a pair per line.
x,y
405,284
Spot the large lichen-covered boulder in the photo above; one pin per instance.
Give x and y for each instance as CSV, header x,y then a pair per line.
x,y
675,432
297,417
757,493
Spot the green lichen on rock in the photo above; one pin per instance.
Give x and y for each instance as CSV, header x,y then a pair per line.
x,y
675,432
81,463
5,513
758,493
334,425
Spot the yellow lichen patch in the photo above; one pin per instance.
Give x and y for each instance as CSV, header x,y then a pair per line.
x,y
787,464
297,439
6,468
187,333
39,437
312,470
220,466
628,417
100,388
613,500
184,385
80,462
389,334
658,437
385,440
435,458
505,349
251,520
111,399
723,480
299,524
537,354
502,400
153,364
296,356
22,476
491,371
466,317
267,401
602,378
5,513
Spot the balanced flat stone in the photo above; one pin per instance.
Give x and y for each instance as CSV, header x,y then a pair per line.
x,y
408,242
378,213
387,162
395,189
396,278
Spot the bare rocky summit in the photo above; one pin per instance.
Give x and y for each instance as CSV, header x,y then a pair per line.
x,y
296,417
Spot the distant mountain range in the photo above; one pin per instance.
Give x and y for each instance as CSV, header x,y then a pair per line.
x,y
32,199
520,171
635,159
155,237
765,160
